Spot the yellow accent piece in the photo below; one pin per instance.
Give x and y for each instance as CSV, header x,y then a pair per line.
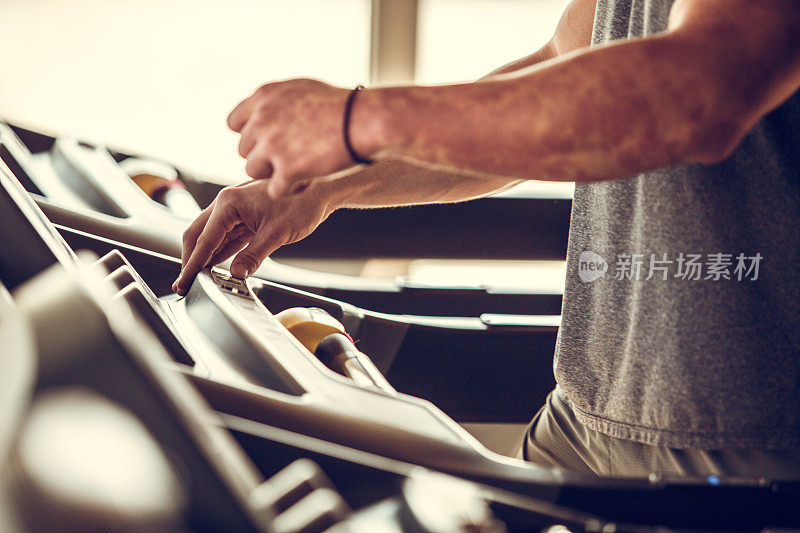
x,y
148,182
308,325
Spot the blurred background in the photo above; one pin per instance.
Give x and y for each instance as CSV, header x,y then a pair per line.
x,y
159,77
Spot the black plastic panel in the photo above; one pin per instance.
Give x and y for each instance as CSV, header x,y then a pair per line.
x,y
489,228
477,376
28,244
159,271
17,170
436,301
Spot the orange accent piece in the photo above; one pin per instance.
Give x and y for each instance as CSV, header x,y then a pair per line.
x,y
309,326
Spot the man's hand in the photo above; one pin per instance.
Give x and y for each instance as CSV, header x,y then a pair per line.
x,y
292,133
245,219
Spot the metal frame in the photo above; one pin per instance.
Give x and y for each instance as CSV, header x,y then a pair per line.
x,y
393,41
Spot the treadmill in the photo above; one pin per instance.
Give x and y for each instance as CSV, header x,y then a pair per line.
x,y
490,368
235,396
82,187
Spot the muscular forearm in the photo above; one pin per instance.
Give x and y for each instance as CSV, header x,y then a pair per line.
x,y
687,95
394,182
390,183
599,113
609,112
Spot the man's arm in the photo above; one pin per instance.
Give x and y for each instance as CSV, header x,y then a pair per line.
x,y
397,182
407,182
688,95
248,223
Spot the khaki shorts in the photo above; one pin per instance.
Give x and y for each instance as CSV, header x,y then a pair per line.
x,y
555,438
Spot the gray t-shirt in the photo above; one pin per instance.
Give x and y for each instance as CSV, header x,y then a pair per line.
x,y
681,316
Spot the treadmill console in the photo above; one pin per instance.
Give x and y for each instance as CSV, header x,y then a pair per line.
x,y
269,408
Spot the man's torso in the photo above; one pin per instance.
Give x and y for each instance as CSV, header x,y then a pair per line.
x,y
683,362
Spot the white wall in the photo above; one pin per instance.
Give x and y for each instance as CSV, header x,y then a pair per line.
x,y
462,40
160,77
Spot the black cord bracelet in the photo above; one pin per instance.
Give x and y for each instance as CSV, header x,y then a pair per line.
x,y
348,108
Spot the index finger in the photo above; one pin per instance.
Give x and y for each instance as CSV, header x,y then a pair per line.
x,y
192,233
209,240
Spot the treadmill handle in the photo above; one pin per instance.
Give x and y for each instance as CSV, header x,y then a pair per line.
x,y
337,352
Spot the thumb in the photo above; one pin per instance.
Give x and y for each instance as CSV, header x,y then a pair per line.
x,y
250,258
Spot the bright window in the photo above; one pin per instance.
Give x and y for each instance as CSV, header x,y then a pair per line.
x,y
461,40
159,77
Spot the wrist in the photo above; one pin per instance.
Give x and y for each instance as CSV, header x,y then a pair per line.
x,y
355,157
373,132
332,195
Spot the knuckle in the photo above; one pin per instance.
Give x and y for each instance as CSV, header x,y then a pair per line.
x,y
263,149
246,144
260,165
188,237
264,90
258,117
250,170
254,168
270,138
248,260
227,195
280,160
236,119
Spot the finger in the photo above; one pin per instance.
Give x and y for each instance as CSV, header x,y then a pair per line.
x,y
234,233
250,258
207,243
246,143
258,164
193,232
229,248
248,140
241,113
